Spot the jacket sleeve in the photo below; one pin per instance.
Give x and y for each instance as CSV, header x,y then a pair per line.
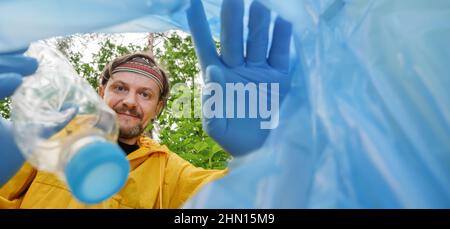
x,y
182,180
12,193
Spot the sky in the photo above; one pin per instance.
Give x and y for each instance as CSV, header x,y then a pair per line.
x,y
89,44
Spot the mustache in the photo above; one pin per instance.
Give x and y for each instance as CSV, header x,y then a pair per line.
x,y
129,111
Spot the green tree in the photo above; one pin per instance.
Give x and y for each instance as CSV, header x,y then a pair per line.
x,y
108,51
185,135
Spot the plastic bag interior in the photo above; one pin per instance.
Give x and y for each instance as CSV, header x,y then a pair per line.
x,y
367,120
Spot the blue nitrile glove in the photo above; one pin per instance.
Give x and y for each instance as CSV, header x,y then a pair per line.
x,y
12,67
239,136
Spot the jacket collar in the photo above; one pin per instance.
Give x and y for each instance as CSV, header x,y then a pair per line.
x,y
147,146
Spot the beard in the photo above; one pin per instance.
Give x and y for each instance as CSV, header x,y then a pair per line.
x,y
129,132
132,132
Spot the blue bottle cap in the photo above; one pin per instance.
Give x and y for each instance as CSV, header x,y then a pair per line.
x,y
96,172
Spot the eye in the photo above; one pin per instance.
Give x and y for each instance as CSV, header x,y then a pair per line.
x,y
119,88
145,95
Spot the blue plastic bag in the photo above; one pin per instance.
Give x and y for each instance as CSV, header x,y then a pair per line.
x,y
367,121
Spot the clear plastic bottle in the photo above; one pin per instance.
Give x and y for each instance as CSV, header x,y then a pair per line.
x,y
62,126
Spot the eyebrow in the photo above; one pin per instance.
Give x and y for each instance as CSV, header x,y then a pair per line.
x,y
140,88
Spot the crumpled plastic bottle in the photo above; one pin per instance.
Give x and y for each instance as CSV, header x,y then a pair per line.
x,y
62,126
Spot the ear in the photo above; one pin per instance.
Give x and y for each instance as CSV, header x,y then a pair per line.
x,y
101,91
159,108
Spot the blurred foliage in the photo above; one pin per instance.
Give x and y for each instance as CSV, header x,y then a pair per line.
x,y
5,108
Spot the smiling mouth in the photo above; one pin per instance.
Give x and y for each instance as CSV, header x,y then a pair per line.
x,y
129,115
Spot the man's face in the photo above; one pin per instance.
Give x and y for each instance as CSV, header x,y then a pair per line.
x,y
135,99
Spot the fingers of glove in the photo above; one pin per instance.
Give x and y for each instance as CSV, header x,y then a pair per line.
x,y
20,64
16,52
258,36
201,35
9,83
231,34
279,52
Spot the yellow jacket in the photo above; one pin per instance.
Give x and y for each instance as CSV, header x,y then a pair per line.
x,y
158,179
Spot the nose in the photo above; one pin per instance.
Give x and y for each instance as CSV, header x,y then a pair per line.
x,y
130,100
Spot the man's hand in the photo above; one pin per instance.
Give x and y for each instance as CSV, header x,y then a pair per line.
x,y
255,70
12,67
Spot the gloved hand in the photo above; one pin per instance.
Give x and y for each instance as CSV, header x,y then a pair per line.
x,y
12,67
239,136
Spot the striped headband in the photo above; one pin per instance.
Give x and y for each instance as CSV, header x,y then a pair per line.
x,y
142,69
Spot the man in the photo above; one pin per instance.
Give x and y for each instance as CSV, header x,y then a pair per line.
x,y
137,90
